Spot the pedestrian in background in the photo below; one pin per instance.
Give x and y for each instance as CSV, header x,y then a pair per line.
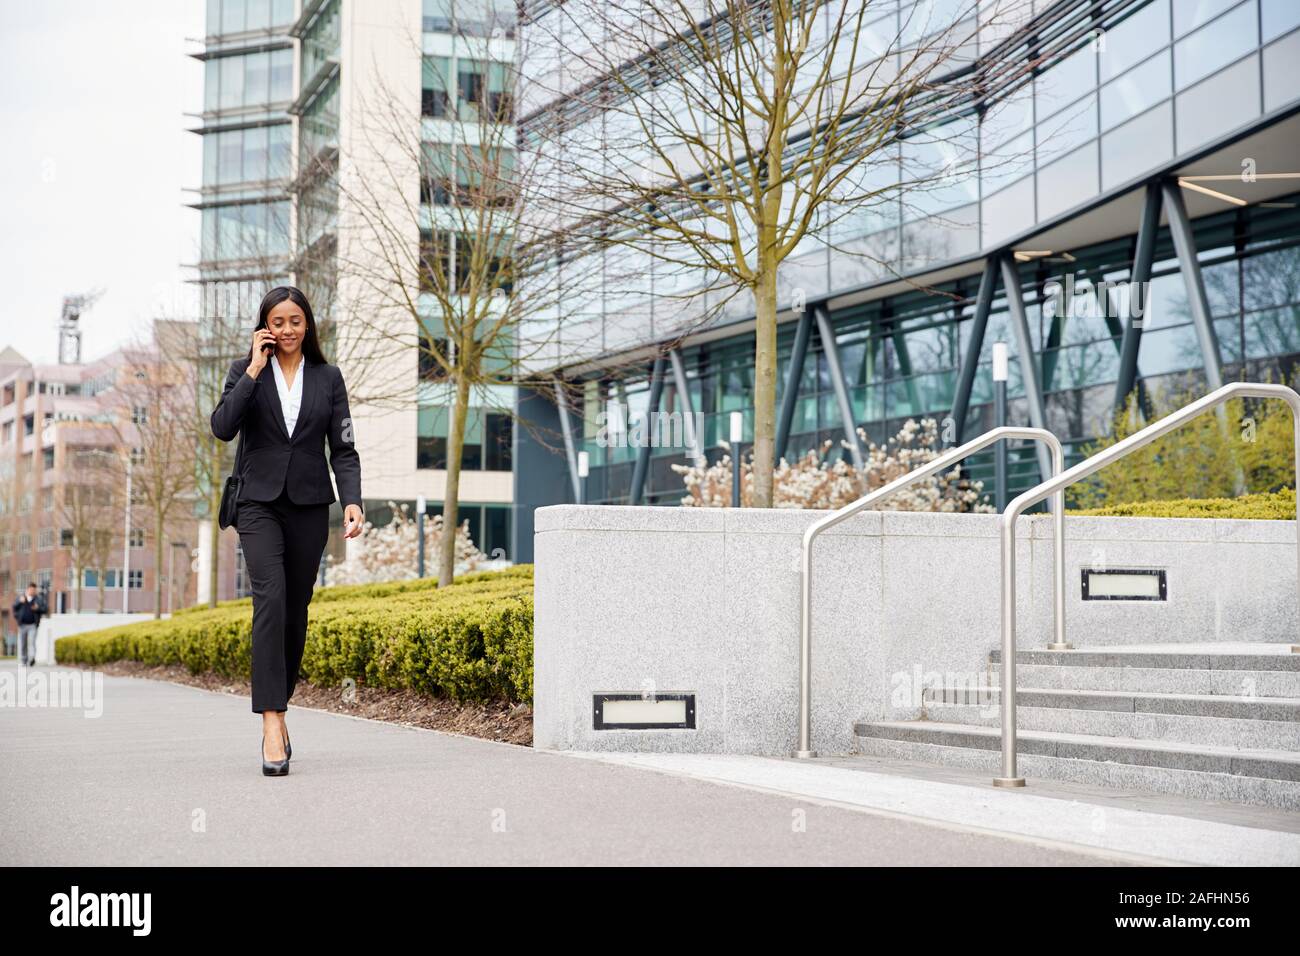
x,y
28,610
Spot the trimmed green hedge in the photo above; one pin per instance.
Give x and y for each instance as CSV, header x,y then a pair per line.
x,y
1276,506
472,641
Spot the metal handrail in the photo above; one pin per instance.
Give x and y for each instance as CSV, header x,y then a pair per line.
x,y
945,460
1056,486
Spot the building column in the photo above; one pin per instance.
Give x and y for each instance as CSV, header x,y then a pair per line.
x,y
793,378
1180,228
832,352
566,429
693,438
971,360
642,465
1138,284
1028,360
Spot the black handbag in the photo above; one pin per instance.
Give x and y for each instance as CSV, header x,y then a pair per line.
x,y
229,510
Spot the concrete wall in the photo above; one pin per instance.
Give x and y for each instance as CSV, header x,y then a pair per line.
x,y
707,601
56,626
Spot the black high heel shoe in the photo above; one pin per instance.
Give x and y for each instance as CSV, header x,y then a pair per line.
x,y
288,747
273,768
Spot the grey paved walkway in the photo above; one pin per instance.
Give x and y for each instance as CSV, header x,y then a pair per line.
x,y
170,774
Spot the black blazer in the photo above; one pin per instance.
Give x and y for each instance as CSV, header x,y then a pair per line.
x,y
251,407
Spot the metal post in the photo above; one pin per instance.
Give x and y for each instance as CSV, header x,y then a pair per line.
x,y
1180,228
1000,372
126,547
832,353
793,378
1028,360
584,469
737,457
566,428
420,506
1139,280
1055,487
643,453
934,466
687,404
971,360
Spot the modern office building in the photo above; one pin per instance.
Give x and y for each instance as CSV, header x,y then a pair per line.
x,y
294,93
244,204
363,66
1156,141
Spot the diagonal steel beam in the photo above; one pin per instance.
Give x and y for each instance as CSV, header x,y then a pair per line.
x,y
832,352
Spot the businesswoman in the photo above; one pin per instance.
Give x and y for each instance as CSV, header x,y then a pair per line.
x,y
286,403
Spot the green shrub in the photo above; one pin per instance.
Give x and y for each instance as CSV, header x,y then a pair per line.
x,y
1278,506
1200,460
472,641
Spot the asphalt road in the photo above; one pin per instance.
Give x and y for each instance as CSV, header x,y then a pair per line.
x,y
171,775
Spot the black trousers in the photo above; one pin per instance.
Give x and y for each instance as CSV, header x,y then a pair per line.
x,y
282,544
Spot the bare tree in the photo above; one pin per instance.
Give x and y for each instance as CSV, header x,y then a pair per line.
x,y
154,401
84,507
433,238
719,140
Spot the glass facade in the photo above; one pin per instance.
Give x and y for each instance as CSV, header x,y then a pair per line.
x,y
901,354
1153,81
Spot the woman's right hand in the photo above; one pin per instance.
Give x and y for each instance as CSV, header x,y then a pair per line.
x,y
260,337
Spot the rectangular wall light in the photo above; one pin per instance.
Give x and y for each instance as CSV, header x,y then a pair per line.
x,y
670,711
1127,584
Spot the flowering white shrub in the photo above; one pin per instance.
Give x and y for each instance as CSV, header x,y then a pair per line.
x,y
813,482
391,553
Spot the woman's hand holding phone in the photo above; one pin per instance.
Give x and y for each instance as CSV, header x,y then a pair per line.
x,y
262,338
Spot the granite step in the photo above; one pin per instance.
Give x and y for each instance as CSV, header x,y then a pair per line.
x,y
1268,777
1236,722
1146,674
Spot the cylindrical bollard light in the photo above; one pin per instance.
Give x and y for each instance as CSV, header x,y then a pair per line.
x,y
1001,367
737,433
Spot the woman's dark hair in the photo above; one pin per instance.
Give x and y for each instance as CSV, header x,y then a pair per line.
x,y
310,341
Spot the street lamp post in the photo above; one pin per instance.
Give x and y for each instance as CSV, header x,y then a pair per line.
x,y
126,545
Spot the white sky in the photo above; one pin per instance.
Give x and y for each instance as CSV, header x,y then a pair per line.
x,y
94,166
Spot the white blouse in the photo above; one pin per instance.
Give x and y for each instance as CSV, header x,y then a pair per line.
x,y
290,396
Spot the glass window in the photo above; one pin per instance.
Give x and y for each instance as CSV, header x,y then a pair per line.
x,y
232,16
256,153
1135,91
257,78
1272,278
232,82
1067,182
1273,332
437,16
1190,14
1279,17
281,75
211,84
1008,212
1066,81
1008,118
1137,146
1215,45
1135,39
1067,130
1219,104
1169,350
257,15
436,83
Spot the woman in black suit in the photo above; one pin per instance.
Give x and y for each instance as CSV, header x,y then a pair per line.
x,y
285,416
